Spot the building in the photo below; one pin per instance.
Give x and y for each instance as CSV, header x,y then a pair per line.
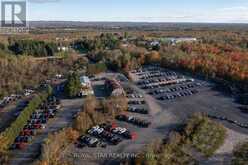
x,y
155,43
86,88
85,81
114,87
174,40
63,48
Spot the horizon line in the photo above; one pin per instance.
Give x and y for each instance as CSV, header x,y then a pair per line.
x,y
150,22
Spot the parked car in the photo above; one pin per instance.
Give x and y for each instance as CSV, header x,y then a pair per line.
x,y
89,141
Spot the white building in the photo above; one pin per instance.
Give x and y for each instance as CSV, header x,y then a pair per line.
x,y
85,81
63,48
175,40
86,88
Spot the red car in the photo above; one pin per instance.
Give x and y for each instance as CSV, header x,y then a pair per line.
x,y
21,146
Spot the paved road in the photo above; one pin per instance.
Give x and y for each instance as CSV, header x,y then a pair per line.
x,y
6,116
7,113
63,119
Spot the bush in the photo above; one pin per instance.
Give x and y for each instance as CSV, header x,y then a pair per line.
x,y
115,105
89,116
205,135
240,154
54,144
171,153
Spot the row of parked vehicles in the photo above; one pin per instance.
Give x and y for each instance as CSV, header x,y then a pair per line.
x,y
143,70
155,74
223,118
174,89
136,95
174,81
26,92
136,102
159,77
14,97
135,98
103,134
134,120
130,91
178,95
169,86
158,80
38,120
138,110
8,99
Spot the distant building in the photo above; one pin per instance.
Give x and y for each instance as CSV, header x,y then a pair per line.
x,y
174,40
155,43
63,48
114,87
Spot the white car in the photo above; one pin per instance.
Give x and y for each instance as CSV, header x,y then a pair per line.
x,y
116,130
43,126
93,142
28,92
94,129
1,102
58,76
99,131
119,130
130,118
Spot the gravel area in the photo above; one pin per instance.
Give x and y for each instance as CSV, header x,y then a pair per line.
x,y
224,154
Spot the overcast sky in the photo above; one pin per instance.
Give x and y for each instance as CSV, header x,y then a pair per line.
x,y
229,11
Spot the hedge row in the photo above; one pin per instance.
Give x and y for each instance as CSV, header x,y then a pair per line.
x,y
8,136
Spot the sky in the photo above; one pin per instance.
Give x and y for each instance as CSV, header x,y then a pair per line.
x,y
215,11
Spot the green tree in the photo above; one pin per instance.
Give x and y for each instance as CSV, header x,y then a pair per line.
x,y
73,85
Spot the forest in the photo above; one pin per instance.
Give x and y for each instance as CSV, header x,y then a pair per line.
x,y
220,56
32,47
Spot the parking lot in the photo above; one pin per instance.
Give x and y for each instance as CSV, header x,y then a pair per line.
x,y
172,89
129,133
166,85
151,115
163,114
63,119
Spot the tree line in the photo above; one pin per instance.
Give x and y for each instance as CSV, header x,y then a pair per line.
x,y
104,41
33,48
